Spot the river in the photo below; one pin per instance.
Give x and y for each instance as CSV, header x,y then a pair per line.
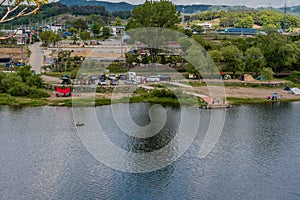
x,y
257,156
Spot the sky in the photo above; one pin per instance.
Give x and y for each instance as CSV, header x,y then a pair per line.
x,y
249,3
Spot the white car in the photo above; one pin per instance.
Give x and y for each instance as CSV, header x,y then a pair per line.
x,y
153,79
102,82
130,82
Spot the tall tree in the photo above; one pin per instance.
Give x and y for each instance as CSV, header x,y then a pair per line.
x,y
96,28
157,17
255,60
84,35
49,37
80,24
160,14
233,59
267,73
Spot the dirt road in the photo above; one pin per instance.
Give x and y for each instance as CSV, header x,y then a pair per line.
x,y
36,57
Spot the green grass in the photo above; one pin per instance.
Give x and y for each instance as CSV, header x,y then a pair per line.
x,y
6,99
240,101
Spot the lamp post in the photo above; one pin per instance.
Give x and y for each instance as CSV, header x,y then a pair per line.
x,y
10,62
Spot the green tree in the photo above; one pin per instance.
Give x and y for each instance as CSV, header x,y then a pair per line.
x,y
24,72
245,22
269,45
91,19
290,55
49,37
9,81
35,80
73,30
233,59
217,56
84,35
161,14
106,32
158,17
96,28
118,22
255,60
267,73
80,24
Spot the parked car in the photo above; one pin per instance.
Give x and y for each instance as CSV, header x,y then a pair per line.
x,y
102,82
130,82
164,77
111,76
122,77
153,79
20,64
102,76
65,79
114,82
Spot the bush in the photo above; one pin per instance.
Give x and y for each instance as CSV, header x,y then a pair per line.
x,y
9,81
294,77
22,90
35,80
19,89
163,93
36,93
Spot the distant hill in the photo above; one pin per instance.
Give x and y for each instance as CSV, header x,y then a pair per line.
x,y
109,6
188,9
123,6
292,9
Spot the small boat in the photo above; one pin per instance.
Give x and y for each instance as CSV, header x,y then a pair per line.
x,y
79,124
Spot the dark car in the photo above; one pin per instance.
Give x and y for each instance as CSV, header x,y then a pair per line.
x,y
65,79
164,77
122,77
20,64
102,76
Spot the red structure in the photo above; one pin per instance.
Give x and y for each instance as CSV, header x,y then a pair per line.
x,y
64,91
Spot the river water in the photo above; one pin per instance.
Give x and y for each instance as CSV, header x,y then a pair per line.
x,y
257,156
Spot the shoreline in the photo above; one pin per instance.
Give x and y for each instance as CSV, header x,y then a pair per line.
x,y
6,100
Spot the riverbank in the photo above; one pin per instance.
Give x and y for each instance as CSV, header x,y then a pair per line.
x,y
234,95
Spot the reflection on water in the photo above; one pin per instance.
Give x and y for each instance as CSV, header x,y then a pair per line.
x,y
256,157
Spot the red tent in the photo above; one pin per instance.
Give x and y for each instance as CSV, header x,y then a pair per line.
x,y
64,91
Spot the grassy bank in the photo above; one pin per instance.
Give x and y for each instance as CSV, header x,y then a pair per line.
x,y
241,101
188,101
82,102
6,99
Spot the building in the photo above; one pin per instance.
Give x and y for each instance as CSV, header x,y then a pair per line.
x,y
118,30
205,26
240,31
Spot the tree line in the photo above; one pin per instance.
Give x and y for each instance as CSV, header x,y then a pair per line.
x,y
268,19
53,10
23,83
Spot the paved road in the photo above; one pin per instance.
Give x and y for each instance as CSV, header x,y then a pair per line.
x,y
36,57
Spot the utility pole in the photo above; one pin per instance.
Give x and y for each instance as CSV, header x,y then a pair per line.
x,y
10,63
284,23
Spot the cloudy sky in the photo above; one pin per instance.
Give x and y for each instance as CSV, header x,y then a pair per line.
x,y
251,3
